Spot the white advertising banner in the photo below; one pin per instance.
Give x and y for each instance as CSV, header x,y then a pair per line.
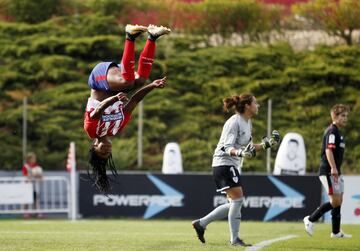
x,y
350,209
19,193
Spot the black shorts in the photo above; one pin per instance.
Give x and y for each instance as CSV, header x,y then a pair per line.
x,y
226,177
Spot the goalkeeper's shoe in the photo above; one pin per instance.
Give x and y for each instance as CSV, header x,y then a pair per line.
x,y
200,231
157,31
239,242
133,31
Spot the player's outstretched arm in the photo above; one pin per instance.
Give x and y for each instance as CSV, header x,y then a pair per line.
x,y
267,142
99,110
140,94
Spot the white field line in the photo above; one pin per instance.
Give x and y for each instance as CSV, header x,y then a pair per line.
x,y
262,244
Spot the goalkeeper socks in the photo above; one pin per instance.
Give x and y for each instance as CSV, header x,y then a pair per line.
x,y
234,217
217,214
128,61
146,59
335,219
320,211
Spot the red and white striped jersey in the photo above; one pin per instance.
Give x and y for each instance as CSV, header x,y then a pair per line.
x,y
111,122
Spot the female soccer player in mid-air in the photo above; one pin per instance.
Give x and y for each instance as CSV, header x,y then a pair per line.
x,y
104,119
108,109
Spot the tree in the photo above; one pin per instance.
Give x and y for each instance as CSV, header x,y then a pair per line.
x,y
30,11
109,7
225,17
336,17
50,63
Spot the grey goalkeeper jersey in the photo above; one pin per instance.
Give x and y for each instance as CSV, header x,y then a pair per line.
x,y
236,134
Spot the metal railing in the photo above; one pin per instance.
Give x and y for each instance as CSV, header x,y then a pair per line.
x,y
52,196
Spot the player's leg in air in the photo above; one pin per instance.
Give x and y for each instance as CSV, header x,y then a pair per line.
x,y
128,79
108,78
219,213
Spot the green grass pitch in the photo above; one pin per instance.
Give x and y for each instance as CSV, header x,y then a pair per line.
x,y
156,235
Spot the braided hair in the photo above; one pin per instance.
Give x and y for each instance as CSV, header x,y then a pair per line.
x,y
98,167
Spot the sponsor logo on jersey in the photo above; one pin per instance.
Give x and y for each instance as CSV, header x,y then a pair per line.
x,y
112,117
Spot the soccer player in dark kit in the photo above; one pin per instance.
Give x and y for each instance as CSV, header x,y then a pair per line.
x,y
332,153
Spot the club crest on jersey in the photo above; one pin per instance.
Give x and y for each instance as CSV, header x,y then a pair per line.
x,y
112,117
235,179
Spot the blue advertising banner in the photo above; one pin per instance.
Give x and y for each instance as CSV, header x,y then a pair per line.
x,y
267,198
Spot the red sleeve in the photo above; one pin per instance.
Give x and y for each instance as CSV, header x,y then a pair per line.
x,y
90,125
24,171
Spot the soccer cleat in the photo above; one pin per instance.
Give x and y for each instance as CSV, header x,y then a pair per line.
x,y
199,230
239,242
340,235
156,31
133,31
309,226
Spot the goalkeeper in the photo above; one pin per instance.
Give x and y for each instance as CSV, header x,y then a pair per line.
x,y
234,145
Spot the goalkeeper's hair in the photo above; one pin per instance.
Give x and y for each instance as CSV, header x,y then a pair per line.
x,y
337,109
97,170
238,101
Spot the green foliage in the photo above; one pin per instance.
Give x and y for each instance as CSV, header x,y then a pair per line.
x,y
247,17
85,25
339,18
31,11
50,62
109,7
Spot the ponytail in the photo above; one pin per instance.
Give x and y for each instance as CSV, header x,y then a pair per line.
x,y
238,101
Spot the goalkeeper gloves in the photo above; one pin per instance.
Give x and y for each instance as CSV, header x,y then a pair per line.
x,y
272,141
248,152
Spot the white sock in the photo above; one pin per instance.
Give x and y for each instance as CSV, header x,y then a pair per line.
x,y
217,214
234,217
